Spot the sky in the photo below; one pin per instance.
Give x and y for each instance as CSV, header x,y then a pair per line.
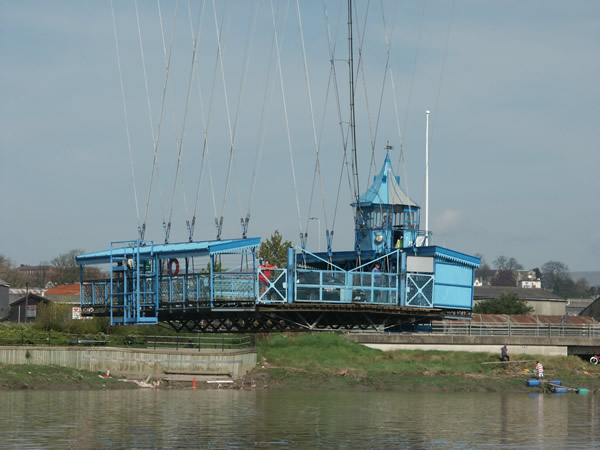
x,y
89,153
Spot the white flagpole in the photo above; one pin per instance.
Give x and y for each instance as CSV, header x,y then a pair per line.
x,y
427,178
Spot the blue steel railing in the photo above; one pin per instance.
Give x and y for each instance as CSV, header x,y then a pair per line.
x,y
419,290
272,285
194,288
247,288
339,286
231,286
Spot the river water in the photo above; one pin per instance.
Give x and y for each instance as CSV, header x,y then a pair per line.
x,y
241,419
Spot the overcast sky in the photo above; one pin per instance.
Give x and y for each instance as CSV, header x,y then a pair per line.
x,y
513,89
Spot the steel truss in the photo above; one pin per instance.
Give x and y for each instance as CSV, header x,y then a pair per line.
x,y
280,318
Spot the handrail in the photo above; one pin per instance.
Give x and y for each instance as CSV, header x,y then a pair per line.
x,y
53,339
511,329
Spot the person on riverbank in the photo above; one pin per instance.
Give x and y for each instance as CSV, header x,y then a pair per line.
x,y
540,369
504,353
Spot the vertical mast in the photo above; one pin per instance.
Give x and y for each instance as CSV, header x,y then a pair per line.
x,y
427,178
352,117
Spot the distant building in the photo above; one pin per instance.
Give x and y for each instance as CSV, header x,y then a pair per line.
x,y
528,279
35,270
543,302
530,284
592,310
15,294
67,293
25,309
575,306
4,299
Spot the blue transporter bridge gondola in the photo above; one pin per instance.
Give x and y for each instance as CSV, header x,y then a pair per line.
x,y
391,280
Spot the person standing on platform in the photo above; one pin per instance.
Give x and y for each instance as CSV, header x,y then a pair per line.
x,y
376,281
264,277
540,369
504,354
377,274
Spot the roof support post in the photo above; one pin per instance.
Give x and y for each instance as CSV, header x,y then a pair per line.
x,y
291,274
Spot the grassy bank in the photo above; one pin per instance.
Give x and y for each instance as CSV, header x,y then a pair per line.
x,y
328,361
31,376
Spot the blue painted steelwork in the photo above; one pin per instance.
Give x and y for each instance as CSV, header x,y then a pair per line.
x,y
133,298
385,217
147,280
276,286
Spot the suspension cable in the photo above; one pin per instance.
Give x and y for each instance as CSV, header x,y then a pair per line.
x,y
247,53
162,107
232,145
205,160
264,118
185,114
388,45
137,16
312,115
361,68
343,134
285,114
137,210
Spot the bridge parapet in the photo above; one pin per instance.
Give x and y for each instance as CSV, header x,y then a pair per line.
x,y
533,345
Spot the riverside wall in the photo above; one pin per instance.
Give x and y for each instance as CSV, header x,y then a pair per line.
x,y
135,362
559,346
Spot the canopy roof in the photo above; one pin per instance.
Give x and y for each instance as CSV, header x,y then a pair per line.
x,y
386,189
175,250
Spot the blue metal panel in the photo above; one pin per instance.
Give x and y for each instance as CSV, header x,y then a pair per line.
x,y
419,290
453,274
167,251
453,285
448,255
277,287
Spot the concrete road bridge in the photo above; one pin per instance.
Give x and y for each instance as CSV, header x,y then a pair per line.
x,y
537,335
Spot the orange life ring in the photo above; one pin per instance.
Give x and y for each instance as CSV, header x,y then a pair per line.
x,y
171,271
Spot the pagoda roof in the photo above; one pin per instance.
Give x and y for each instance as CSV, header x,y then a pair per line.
x,y
385,189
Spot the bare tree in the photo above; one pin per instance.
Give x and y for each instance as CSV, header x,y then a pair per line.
x,y
484,270
501,262
513,264
66,267
504,278
555,276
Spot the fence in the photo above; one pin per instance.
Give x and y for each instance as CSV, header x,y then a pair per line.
x,y
509,329
221,342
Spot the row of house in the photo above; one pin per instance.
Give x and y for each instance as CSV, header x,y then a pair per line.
x,y
20,305
525,279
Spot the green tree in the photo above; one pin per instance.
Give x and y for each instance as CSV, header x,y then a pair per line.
x,y
505,304
274,250
53,316
216,267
